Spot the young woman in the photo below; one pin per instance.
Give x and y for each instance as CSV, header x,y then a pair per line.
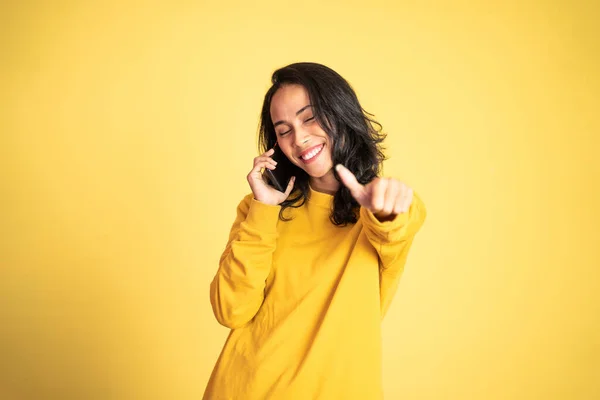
x,y
308,274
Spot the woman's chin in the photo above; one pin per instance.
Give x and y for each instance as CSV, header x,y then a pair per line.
x,y
319,173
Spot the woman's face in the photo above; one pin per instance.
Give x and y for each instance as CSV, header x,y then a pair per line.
x,y
299,135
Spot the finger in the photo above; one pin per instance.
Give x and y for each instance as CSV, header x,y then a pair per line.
x,y
392,194
259,166
264,156
378,188
290,186
264,159
407,200
349,180
266,164
269,152
403,203
399,206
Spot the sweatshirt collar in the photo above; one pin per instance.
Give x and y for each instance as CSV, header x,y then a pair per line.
x,y
320,198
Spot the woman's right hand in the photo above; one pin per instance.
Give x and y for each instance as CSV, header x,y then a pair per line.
x,y
262,191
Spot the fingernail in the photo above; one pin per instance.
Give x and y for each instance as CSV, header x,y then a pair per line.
x,y
337,167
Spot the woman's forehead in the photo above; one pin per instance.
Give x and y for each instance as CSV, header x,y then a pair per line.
x,y
289,99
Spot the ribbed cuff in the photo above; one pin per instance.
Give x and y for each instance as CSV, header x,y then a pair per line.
x,y
397,223
403,226
263,217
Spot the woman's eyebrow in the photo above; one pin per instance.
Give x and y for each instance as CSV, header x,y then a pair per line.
x,y
297,113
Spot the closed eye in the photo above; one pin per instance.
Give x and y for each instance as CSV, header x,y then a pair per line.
x,y
305,121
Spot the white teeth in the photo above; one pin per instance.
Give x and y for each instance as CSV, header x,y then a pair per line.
x,y
313,153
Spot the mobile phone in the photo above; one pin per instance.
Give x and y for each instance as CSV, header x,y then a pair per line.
x,y
281,175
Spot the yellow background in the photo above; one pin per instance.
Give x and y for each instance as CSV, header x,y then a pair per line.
x,y
127,130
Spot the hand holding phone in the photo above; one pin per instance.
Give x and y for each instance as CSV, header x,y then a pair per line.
x,y
281,175
273,185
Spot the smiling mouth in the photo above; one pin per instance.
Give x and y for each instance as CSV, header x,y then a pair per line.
x,y
312,154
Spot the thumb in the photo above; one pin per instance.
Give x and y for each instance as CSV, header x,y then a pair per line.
x,y
290,186
349,180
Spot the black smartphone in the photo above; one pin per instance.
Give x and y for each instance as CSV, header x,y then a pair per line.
x,y
281,175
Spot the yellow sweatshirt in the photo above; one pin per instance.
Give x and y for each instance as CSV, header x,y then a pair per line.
x,y
304,300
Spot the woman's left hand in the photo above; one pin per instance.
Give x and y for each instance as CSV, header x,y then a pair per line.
x,y
384,197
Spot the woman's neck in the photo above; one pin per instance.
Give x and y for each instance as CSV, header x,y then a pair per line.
x,y
325,184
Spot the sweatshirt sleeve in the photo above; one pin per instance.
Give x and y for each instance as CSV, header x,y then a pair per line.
x,y
237,290
392,241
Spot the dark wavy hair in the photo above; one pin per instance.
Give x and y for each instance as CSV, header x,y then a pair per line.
x,y
356,143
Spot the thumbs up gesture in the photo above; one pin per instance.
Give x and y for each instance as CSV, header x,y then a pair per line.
x,y
384,197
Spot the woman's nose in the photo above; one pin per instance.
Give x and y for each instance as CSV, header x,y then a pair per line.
x,y
302,137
